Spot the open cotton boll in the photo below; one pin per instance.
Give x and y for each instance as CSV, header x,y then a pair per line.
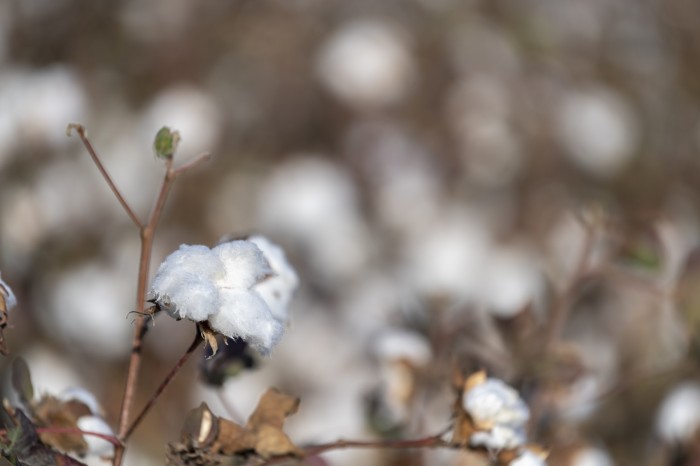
x,y
398,344
244,314
244,264
277,290
495,403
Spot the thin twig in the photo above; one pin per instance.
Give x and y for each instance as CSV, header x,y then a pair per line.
x,y
433,441
203,157
164,384
80,129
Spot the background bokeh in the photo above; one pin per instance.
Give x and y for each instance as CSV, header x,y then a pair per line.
x,y
436,171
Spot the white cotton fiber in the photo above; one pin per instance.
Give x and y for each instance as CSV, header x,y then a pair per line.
x,y
245,315
278,289
232,286
244,264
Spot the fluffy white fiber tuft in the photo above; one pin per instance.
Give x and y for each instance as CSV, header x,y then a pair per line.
x,y
242,288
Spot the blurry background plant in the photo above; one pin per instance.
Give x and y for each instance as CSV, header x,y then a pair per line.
x,y
515,183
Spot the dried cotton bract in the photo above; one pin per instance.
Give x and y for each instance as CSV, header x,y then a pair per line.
x,y
7,296
240,288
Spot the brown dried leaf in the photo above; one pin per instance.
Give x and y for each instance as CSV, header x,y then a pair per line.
x,y
273,408
50,412
262,433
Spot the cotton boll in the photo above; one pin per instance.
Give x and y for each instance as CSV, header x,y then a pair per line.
x,y
494,402
96,446
399,344
590,456
83,304
528,458
314,203
190,296
598,131
36,105
244,263
498,438
51,371
243,314
184,284
276,290
678,418
511,281
446,256
366,64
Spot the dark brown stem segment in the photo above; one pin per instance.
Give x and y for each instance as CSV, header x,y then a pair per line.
x,y
159,391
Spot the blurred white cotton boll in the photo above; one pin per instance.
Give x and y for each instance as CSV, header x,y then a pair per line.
x,y
188,110
397,344
598,131
36,105
511,281
400,170
96,446
86,308
528,458
678,418
591,456
314,203
51,372
367,63
446,256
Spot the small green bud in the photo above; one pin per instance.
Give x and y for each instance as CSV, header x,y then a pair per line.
x,y
165,143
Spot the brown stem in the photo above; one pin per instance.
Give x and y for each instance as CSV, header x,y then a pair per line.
x,y
427,442
80,129
147,233
434,441
164,384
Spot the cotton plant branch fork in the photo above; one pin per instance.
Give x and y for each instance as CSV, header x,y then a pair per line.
x,y
146,232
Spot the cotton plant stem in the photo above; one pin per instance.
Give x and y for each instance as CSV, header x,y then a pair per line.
x,y
82,133
164,384
434,441
146,233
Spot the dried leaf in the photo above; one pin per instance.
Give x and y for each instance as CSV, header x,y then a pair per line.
x,y
22,381
29,450
262,433
51,412
273,408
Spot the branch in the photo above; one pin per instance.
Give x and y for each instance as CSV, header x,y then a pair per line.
x,y
168,378
80,129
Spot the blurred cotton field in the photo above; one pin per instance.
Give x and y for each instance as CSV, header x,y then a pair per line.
x,y
500,185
